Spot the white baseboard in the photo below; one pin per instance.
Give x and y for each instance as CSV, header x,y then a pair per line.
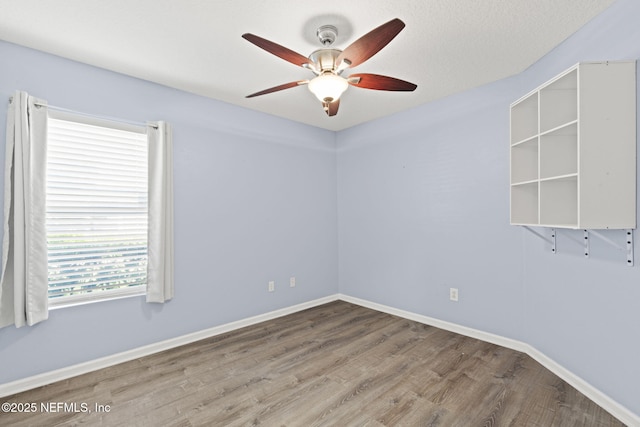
x,y
610,405
614,408
45,378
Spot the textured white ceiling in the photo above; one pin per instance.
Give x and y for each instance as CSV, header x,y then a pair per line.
x,y
446,47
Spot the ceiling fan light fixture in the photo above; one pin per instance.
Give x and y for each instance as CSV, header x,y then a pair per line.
x,y
328,63
328,87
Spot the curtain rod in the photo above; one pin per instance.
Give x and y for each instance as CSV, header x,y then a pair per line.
x,y
95,116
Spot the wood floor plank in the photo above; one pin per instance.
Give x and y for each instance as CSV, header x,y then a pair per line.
x,y
336,364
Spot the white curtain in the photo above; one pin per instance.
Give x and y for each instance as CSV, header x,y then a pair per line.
x,y
23,288
160,243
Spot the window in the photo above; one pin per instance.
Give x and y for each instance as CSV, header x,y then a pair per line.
x,y
96,209
88,218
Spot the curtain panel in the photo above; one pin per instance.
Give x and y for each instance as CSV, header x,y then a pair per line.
x,y
23,287
160,238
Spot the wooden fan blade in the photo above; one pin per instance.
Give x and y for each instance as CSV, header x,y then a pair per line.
x,y
279,51
277,88
371,43
331,108
378,82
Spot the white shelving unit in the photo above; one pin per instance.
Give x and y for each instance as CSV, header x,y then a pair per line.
x,y
573,150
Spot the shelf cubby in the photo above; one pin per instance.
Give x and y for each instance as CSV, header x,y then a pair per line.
x,y
559,152
524,210
524,119
559,202
524,161
559,102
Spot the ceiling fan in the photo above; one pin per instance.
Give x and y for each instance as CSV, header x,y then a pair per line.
x,y
328,64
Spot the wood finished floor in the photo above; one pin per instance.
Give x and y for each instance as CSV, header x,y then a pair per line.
x,y
334,365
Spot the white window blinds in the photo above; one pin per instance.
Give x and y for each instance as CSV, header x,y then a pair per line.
x,y
96,210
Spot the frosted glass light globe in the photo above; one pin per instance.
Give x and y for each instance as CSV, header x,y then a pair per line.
x,y
328,87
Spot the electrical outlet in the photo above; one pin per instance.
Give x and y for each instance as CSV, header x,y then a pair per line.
x,y
272,286
453,294
292,281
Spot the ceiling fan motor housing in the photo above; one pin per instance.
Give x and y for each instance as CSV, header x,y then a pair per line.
x,y
325,59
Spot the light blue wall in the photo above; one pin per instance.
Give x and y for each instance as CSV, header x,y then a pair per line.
x,y
423,199
422,202
421,196
255,200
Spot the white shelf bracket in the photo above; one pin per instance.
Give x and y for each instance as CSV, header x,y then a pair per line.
x,y
551,241
627,247
629,236
586,243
